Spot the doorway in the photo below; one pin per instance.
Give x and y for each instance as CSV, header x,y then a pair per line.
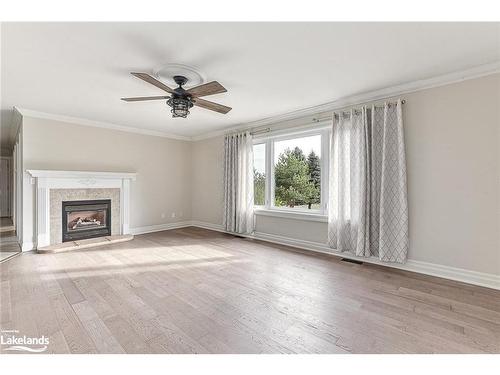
x,y
6,176
8,240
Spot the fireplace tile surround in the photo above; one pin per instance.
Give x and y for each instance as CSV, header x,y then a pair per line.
x,y
54,187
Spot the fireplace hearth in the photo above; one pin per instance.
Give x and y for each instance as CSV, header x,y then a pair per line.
x,y
86,219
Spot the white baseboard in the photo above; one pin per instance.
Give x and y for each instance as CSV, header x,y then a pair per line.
x,y
210,226
452,273
488,280
159,227
27,246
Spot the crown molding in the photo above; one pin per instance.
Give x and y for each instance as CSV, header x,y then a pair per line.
x,y
370,96
97,124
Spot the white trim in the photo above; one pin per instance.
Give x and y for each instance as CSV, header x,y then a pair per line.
x,y
177,225
269,172
98,124
27,246
125,208
46,173
209,226
290,214
370,96
453,273
159,227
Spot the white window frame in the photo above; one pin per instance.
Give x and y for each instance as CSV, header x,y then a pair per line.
x,y
260,207
269,139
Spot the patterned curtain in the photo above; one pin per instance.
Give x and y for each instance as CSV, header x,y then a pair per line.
x,y
238,183
368,207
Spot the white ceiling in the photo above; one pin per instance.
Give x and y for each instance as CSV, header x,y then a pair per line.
x,y
82,69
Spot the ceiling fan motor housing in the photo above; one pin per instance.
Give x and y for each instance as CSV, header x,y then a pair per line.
x,y
180,80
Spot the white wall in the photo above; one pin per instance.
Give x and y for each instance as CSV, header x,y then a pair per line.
x,y
452,136
163,167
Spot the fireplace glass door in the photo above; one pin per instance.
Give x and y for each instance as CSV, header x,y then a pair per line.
x,y
86,219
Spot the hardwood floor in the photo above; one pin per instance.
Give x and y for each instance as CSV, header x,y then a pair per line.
x,y
197,291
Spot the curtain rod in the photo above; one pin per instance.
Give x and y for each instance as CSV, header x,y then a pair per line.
x,y
344,112
267,130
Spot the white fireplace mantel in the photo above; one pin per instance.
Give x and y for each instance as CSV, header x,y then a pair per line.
x,y
80,174
45,180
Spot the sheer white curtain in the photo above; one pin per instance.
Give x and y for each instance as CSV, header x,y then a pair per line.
x,y
368,209
238,183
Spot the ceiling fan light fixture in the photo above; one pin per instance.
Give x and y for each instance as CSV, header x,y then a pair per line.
x,y
180,106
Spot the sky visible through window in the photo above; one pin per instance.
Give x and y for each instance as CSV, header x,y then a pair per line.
x,y
259,158
306,144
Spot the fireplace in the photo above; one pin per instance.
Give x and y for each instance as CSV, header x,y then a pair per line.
x,y
86,219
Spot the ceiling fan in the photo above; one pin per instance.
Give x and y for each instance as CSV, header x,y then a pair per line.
x,y
182,100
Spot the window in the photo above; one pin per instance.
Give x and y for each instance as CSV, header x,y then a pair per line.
x,y
297,173
290,172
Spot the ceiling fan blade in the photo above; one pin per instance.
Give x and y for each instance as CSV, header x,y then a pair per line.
x,y
209,88
211,105
141,98
146,77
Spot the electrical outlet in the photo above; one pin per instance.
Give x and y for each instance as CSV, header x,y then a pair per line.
x,y
173,214
163,215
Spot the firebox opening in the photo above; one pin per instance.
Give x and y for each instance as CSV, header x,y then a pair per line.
x,y
86,219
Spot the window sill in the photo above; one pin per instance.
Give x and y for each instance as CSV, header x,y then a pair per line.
x,y
291,215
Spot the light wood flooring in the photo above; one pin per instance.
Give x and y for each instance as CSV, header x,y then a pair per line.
x,y
196,291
